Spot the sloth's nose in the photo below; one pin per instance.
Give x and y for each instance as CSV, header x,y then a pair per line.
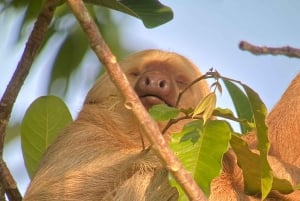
x,y
154,83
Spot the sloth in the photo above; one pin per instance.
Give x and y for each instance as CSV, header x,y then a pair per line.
x,y
102,155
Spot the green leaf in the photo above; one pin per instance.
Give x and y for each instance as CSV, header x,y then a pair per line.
x,y
250,164
191,131
43,120
241,104
228,114
162,112
206,106
151,12
203,158
259,113
69,56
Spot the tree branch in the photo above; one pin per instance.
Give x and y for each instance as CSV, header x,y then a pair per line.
x,y
132,102
9,97
287,50
9,183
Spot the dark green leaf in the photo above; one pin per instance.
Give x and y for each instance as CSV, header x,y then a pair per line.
x,y
163,112
151,12
241,104
43,120
69,57
205,154
192,131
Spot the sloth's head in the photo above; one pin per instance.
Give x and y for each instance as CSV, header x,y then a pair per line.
x,y
157,77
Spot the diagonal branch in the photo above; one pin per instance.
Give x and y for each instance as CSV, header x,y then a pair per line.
x,y
132,102
9,97
287,50
9,183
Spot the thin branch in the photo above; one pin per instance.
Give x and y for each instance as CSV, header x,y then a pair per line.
x,y
206,76
10,186
9,97
260,50
174,121
132,102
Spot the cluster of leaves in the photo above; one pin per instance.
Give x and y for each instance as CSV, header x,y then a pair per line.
x,y
202,143
74,46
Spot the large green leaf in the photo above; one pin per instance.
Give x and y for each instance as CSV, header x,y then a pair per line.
x,y
43,120
151,12
203,157
241,104
259,113
250,163
249,106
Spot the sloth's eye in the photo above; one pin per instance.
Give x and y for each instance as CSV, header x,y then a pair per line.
x,y
134,73
182,83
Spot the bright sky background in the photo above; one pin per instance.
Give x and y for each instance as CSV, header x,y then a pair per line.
x,y
207,32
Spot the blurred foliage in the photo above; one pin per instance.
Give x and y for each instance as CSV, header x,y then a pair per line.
x,y
71,51
75,45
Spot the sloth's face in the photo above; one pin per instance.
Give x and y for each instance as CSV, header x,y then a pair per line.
x,y
159,77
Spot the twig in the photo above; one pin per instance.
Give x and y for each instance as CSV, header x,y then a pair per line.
x,y
287,50
206,76
10,186
132,102
9,97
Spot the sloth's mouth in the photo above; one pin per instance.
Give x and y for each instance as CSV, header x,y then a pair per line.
x,y
150,100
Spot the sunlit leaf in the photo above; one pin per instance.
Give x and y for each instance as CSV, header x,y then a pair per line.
x,y
151,12
162,112
206,106
43,120
204,154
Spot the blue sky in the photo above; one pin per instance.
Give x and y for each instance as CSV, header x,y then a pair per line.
x,y
207,32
